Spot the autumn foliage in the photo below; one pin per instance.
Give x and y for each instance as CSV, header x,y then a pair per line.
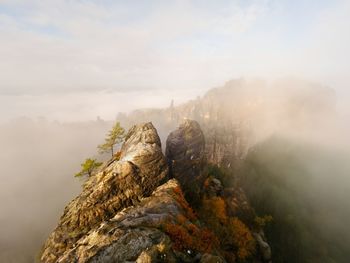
x,y
234,236
241,237
190,236
184,233
215,208
180,198
233,233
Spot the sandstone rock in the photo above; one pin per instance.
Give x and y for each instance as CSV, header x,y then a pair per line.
x,y
126,213
185,154
237,203
121,183
142,147
133,234
213,187
264,247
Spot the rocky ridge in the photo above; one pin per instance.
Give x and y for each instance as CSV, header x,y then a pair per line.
x,y
133,234
119,184
129,212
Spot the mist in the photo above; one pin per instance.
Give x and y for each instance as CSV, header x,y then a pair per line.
x,y
39,159
296,153
289,151
287,117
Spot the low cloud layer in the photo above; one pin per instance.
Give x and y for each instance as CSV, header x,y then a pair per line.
x,y
38,161
63,47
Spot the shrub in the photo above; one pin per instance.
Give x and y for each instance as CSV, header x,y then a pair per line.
x,y
191,237
261,222
242,238
180,198
215,207
234,235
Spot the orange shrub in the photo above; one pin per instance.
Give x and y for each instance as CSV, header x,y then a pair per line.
x,y
215,207
191,237
233,233
180,198
178,234
242,238
181,219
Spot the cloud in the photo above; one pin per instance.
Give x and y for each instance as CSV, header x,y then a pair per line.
x,y
60,47
72,44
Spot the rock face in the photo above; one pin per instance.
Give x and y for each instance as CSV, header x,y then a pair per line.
x,y
185,153
129,212
133,234
119,184
137,233
187,156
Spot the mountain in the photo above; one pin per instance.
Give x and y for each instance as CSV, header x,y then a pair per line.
x,y
120,184
131,211
245,178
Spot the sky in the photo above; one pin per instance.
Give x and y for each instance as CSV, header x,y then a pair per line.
x,y
75,60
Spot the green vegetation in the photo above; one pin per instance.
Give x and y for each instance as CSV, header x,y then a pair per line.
x,y
224,174
261,222
88,167
114,136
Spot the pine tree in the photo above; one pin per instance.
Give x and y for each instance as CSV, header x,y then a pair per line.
x,y
88,167
115,136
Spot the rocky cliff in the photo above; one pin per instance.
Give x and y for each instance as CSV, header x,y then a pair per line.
x,y
130,211
137,233
217,203
121,183
185,154
237,115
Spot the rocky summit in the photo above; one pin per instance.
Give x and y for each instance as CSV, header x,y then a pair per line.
x,y
144,207
120,183
133,234
185,154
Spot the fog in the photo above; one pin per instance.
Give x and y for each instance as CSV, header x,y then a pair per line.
x,y
78,59
39,159
296,166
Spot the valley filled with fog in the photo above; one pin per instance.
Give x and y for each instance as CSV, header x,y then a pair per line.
x,y
39,159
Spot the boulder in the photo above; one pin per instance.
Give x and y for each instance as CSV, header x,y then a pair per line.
x,y
212,187
185,154
263,246
133,234
119,184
